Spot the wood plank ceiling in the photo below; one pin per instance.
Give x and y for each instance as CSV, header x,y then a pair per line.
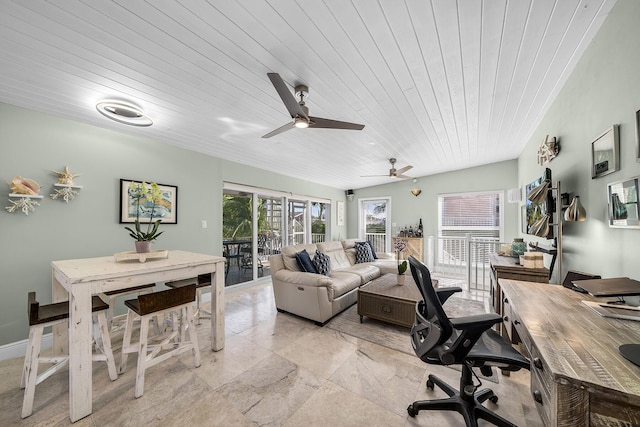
x,y
439,84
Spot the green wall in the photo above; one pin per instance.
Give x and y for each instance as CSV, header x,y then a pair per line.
x,y
33,144
603,90
406,209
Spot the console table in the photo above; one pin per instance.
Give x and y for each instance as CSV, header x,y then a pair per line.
x,y
578,377
77,280
415,247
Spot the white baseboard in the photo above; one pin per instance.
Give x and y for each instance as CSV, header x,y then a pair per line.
x,y
19,348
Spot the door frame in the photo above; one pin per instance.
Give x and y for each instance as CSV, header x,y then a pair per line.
x,y
361,221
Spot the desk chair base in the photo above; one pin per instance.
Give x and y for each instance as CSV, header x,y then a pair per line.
x,y
469,405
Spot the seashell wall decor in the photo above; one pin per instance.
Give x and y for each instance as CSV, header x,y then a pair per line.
x,y
66,190
20,185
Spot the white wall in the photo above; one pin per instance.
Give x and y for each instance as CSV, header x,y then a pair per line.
x,y
603,90
33,144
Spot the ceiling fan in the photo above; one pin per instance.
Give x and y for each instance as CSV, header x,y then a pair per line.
x,y
300,112
393,172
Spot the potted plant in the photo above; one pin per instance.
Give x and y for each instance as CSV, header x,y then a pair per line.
x,y
400,245
139,192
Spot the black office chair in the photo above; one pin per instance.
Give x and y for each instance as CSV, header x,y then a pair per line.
x,y
466,341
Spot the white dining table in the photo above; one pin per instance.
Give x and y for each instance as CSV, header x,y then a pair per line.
x,y
77,280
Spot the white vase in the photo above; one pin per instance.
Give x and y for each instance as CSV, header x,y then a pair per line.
x,y
143,247
401,279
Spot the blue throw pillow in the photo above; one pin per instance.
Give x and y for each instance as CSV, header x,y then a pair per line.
x,y
373,251
363,252
322,263
304,262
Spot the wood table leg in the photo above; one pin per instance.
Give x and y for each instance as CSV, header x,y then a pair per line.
x,y
80,357
217,307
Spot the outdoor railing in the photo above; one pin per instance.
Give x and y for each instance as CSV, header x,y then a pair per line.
x,y
464,258
379,241
317,237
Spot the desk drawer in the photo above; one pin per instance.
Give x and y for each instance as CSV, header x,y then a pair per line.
x,y
543,399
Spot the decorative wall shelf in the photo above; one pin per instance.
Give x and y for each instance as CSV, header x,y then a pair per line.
x,y
26,203
65,191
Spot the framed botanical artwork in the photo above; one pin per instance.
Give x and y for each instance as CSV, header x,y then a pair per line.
x,y
340,213
165,209
605,153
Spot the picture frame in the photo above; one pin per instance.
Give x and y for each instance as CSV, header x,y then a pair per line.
x,y
623,208
638,136
166,211
605,153
340,213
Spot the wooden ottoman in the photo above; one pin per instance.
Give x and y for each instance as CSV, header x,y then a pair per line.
x,y
383,299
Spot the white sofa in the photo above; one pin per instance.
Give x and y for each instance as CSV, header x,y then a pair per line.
x,y
318,297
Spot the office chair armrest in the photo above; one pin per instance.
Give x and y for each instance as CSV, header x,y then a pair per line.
x,y
445,293
472,328
484,321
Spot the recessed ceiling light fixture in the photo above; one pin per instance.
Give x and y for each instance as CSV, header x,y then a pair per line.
x,y
123,112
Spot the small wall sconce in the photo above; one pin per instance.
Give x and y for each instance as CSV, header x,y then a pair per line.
x,y
415,190
350,194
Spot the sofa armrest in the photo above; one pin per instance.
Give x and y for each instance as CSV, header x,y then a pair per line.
x,y
302,278
385,255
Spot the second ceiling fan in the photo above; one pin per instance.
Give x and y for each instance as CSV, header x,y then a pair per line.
x,y
300,112
393,172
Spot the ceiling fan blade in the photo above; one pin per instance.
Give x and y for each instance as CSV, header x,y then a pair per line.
x,y
401,176
317,122
279,130
285,94
371,176
403,170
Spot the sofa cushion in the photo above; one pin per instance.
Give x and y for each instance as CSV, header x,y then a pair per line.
x,y
363,253
342,283
289,255
322,263
304,262
365,271
335,251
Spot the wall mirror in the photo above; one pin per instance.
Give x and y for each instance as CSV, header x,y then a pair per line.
x,y
623,203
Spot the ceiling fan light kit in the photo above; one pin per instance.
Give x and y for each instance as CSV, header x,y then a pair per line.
x,y
299,112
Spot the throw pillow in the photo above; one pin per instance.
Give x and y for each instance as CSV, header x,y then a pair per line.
x,y
363,252
304,262
322,263
373,251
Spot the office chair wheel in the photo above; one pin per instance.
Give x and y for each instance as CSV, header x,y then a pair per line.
x,y
494,399
430,385
411,411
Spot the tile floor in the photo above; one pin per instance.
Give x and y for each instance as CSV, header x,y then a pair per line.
x,y
275,370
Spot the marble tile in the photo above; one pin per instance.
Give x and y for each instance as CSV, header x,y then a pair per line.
x,y
319,352
270,392
333,405
385,381
275,369
237,356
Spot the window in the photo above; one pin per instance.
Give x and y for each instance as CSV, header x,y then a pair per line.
x,y
465,219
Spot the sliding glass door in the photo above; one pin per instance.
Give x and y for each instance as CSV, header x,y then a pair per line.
x,y
270,219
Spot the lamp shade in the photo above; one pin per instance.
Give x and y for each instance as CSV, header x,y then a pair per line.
x,y
540,228
539,193
575,211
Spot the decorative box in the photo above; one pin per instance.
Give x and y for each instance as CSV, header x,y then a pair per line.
x,y
533,260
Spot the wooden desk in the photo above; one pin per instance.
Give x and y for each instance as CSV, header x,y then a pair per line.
x,y
504,267
578,377
77,280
